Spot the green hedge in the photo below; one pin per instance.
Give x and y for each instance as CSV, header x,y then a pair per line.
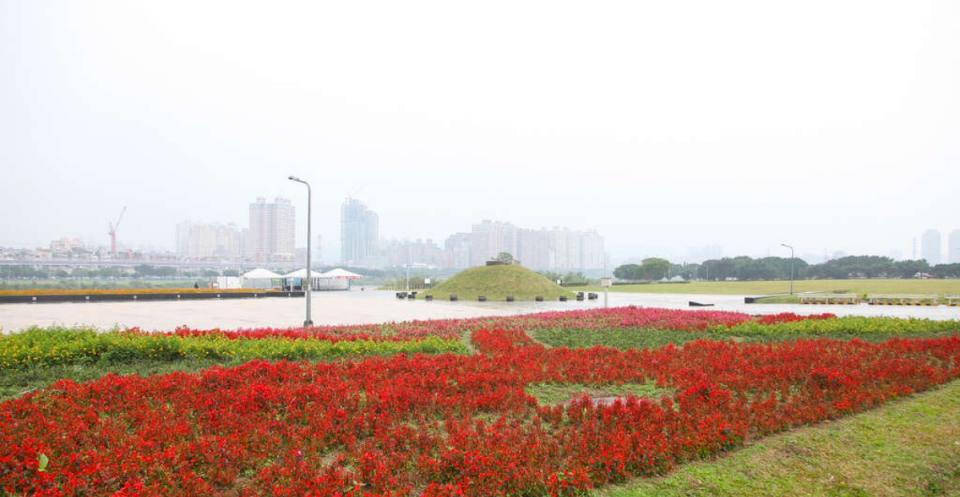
x,y
57,346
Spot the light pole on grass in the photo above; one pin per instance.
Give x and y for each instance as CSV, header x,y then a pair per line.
x,y
791,265
309,276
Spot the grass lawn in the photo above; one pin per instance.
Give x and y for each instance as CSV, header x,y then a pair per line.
x,y
650,339
496,283
940,287
560,393
909,447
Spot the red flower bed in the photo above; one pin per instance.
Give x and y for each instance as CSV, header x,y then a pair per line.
x,y
590,319
440,425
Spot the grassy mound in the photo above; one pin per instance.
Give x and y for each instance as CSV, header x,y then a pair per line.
x,y
496,283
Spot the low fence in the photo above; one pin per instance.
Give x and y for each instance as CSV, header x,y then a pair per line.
x,y
830,298
903,299
135,297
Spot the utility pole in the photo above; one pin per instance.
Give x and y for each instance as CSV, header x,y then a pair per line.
x,y
309,276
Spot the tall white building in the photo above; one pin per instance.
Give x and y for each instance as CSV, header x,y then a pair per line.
x,y
953,247
208,241
592,250
359,235
272,235
457,246
930,247
489,238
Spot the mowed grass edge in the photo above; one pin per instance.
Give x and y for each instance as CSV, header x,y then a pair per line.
x,y
909,447
862,286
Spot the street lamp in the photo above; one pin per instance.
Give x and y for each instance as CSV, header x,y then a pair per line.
x,y
307,321
791,265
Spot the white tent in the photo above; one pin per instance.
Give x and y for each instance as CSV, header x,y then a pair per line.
x,y
341,274
261,273
302,273
259,278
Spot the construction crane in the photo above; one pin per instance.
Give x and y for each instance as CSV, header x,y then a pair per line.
x,y
113,232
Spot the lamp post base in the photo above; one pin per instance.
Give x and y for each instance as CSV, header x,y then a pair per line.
x,y
308,323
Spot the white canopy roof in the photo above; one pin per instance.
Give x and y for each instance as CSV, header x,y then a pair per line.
x,y
341,274
261,274
302,273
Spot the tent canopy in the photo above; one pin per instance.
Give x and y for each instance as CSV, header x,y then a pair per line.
x,y
302,273
261,274
341,274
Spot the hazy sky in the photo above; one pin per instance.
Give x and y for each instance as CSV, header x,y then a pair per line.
x,y
668,124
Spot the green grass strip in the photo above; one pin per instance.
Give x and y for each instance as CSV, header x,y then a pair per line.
x,y
845,326
907,448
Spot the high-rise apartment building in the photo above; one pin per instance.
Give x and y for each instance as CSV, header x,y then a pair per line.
x,y
272,235
592,252
359,234
533,249
200,241
457,247
489,238
930,247
953,247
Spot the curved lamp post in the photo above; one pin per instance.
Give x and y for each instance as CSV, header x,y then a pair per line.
x,y
309,276
791,265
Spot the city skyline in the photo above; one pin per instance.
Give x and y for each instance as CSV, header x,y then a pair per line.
x,y
950,246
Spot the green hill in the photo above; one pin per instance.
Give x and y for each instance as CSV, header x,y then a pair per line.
x,y
496,283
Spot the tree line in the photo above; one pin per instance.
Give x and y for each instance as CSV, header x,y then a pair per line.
x,y
779,268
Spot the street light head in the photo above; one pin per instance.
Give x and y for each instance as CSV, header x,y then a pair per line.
x,y
293,178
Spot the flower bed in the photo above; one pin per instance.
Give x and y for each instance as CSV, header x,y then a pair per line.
x,y
56,346
441,425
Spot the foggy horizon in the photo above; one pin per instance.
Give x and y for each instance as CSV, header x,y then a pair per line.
x,y
664,127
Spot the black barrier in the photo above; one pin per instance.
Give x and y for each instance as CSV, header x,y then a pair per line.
x,y
130,297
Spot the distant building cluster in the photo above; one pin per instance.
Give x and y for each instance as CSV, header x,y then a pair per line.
x,y
269,238
931,247
549,249
209,241
555,249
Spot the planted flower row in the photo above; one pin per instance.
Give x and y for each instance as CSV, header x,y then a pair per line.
x,y
441,425
48,347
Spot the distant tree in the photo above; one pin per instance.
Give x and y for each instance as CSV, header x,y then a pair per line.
x,y
909,269
504,257
946,270
655,268
231,272
628,272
